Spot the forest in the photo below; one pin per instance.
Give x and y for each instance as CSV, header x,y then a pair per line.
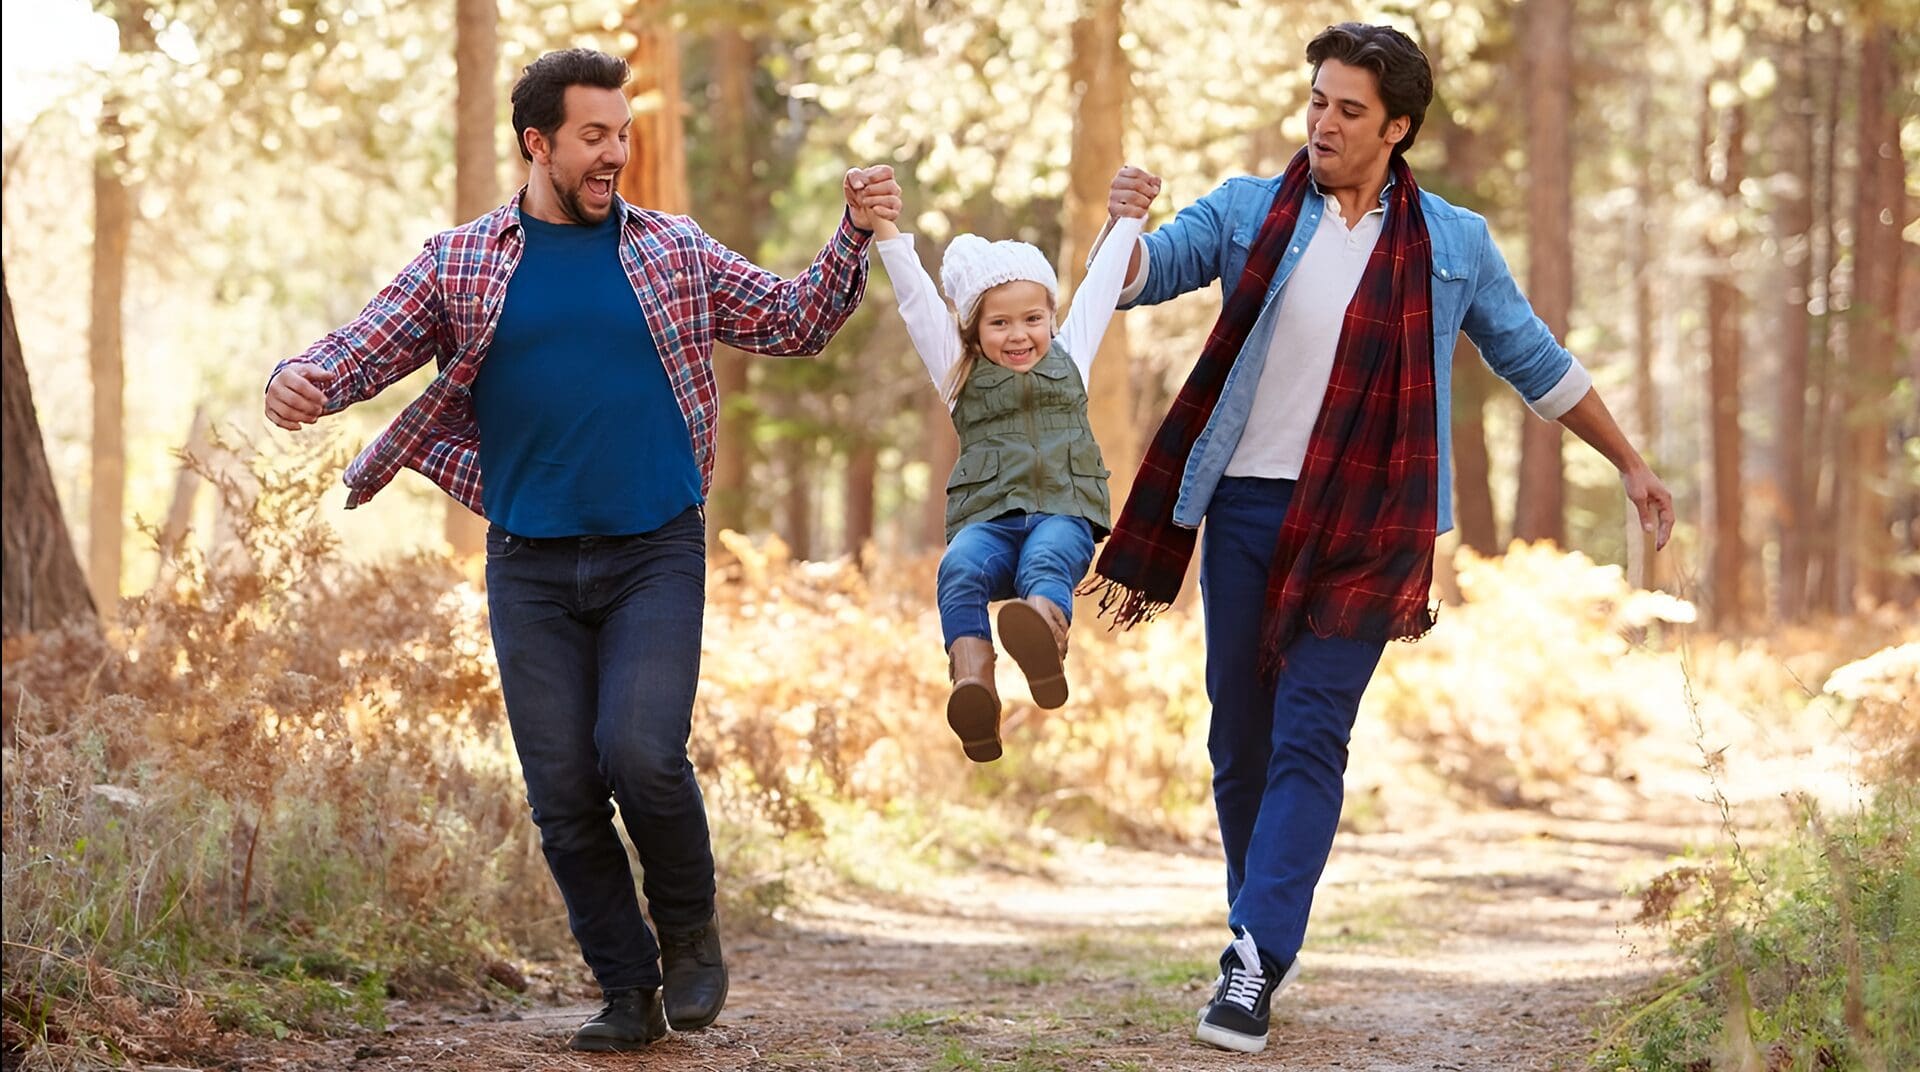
x,y
261,800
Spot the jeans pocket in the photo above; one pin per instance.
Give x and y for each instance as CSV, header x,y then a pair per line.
x,y
502,545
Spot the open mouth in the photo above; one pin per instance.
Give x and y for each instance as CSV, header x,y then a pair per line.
x,y
1021,354
601,186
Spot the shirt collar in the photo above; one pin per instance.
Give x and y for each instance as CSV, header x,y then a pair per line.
x,y
1384,190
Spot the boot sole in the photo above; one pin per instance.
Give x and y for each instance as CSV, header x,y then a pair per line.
x,y
1027,637
975,717
609,1045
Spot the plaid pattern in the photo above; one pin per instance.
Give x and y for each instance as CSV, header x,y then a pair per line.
x,y
1355,555
445,306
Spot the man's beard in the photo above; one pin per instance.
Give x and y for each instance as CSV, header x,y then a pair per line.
x,y
571,204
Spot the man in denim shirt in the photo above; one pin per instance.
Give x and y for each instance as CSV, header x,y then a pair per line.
x,y
1285,399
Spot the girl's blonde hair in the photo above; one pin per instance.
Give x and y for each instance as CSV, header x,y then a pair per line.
x,y
970,351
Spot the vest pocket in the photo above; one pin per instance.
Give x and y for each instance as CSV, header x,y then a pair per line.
x,y
972,474
1084,458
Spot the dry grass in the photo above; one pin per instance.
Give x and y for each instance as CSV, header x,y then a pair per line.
x,y
281,789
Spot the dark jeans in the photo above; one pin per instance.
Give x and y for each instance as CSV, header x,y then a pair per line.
x,y
598,639
1279,751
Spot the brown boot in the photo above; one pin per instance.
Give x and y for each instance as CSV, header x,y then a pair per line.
x,y
973,708
1034,632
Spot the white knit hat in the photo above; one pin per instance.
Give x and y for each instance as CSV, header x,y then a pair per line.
x,y
972,266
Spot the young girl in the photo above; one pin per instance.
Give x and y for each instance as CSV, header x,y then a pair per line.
x,y
1028,496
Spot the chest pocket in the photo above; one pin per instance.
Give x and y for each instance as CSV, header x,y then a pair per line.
x,y
1451,292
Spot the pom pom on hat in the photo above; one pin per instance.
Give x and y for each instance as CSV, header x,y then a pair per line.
x,y
972,266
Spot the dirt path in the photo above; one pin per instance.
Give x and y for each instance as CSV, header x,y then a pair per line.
x,y
1480,942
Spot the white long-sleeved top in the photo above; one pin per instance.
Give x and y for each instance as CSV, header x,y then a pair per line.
x,y
936,337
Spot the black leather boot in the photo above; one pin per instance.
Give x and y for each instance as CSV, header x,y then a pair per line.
x,y
696,976
632,1020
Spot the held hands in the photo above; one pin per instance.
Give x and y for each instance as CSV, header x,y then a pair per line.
x,y
1132,191
296,395
1653,500
871,194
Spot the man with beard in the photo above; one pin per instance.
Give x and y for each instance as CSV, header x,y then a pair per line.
x,y
1312,438
574,338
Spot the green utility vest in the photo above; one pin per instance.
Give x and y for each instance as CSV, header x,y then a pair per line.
x,y
1025,444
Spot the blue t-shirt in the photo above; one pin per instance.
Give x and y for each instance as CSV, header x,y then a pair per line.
x,y
579,431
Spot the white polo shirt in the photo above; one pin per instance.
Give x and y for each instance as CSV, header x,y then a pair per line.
x,y
1306,331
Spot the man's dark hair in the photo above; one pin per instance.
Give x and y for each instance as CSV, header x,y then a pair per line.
x,y
1398,66
540,97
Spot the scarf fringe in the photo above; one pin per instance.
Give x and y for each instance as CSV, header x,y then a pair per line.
x,y
1125,605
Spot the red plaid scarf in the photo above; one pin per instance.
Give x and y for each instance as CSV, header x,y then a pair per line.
x,y
1355,555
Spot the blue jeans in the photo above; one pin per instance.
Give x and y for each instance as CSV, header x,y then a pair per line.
x,y
1279,751
1015,555
598,639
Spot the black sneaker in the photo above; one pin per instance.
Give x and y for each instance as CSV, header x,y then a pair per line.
x,y
1236,1018
696,976
632,1020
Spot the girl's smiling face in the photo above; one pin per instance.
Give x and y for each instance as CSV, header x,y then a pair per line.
x,y
1016,324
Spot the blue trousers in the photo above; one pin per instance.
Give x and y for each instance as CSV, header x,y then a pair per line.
x,y
598,639
1013,556
1279,751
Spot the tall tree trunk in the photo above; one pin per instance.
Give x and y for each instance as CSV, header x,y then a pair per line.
x,y
43,584
735,220
1729,555
1793,227
106,360
1540,508
656,173
1828,395
798,527
476,175
1099,74
863,467
940,448
1473,384
186,493
1878,211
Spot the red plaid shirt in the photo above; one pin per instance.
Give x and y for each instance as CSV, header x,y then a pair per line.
x,y
445,306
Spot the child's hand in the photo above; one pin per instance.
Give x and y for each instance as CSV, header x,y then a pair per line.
x,y
870,191
1132,191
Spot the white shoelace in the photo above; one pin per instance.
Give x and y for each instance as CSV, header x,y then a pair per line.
x,y
1245,982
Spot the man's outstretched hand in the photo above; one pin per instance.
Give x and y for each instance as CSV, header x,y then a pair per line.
x,y
1132,191
297,395
871,192
1654,502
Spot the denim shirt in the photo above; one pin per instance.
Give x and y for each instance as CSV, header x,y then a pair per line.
x,y
1472,290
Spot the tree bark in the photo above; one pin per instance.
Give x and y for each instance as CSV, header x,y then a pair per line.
x,y
106,361
476,176
940,449
798,530
863,466
1826,406
44,585
1099,74
1540,507
1878,210
736,221
1473,384
656,173
1729,554
1793,227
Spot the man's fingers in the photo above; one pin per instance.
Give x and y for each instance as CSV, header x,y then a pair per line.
x,y
879,173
